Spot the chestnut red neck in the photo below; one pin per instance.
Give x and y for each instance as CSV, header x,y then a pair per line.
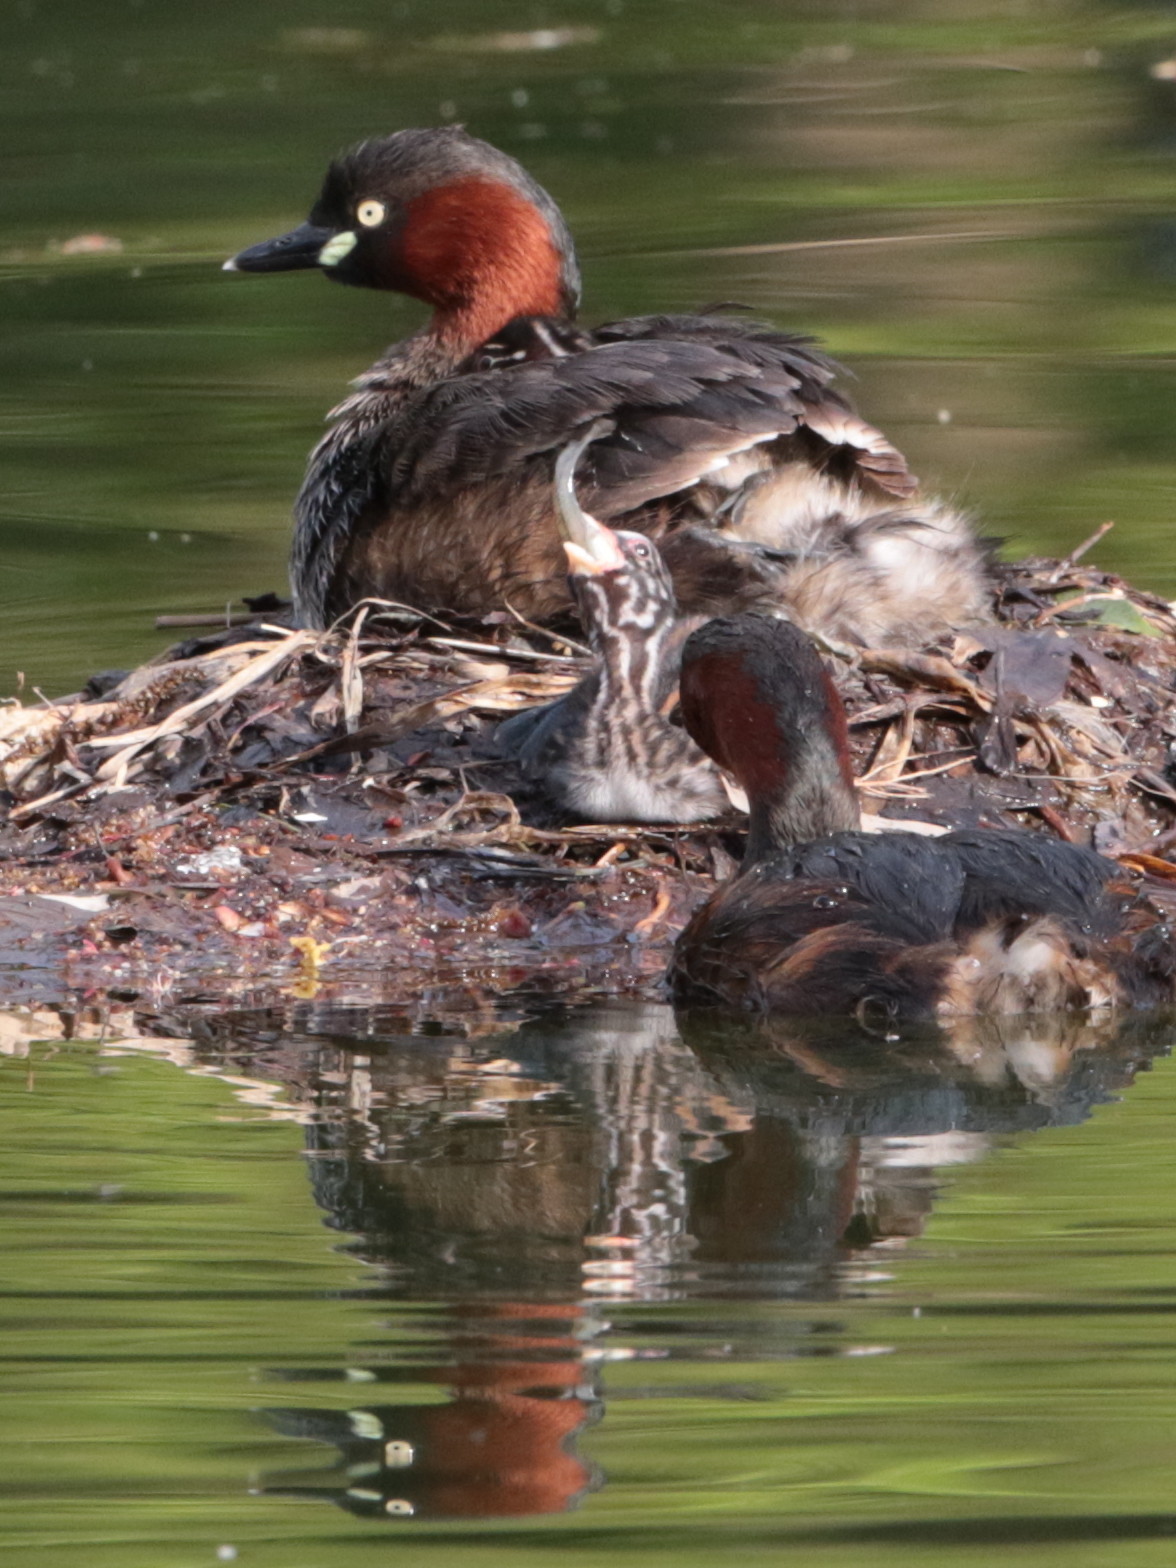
x,y
757,698
481,254
444,217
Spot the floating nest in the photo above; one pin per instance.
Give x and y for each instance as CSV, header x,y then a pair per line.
x,y
265,810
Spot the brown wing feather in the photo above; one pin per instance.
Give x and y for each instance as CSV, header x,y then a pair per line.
x,y
678,408
875,456
452,465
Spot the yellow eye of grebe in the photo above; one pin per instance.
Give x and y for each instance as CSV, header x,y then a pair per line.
x,y
370,213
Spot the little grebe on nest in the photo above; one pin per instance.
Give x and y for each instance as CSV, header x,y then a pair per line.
x,y
433,487
823,918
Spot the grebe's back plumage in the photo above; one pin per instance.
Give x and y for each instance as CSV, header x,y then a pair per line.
x,y
823,918
433,486
445,502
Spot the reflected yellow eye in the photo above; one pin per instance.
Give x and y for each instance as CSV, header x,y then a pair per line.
x,y
370,213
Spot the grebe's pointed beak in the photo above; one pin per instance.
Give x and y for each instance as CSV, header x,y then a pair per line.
x,y
590,547
302,247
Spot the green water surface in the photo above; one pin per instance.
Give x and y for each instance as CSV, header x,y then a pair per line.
x,y
969,1363
980,1361
969,202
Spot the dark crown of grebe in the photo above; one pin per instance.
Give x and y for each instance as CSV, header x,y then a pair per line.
x,y
443,217
758,699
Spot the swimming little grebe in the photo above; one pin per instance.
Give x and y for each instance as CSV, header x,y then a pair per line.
x,y
433,487
825,919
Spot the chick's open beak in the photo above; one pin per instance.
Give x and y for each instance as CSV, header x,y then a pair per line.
x,y
590,547
604,556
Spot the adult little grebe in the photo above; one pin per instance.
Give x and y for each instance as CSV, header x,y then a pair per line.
x,y
825,919
434,485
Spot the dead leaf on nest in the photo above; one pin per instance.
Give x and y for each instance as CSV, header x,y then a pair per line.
x,y
311,952
923,669
1031,668
1151,864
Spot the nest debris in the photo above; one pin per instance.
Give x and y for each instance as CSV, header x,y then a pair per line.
x,y
267,809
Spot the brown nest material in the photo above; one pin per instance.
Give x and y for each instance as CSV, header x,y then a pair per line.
x,y
269,810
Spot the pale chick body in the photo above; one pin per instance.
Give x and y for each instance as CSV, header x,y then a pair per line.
x,y
859,574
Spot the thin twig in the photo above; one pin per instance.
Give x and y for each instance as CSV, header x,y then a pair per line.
x,y
350,677
1067,561
501,653
661,905
211,618
1095,596
543,631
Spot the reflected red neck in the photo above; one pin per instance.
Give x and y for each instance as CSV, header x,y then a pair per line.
x,y
481,254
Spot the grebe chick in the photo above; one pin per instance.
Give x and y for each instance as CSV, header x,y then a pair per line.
x,y
607,752
433,487
823,918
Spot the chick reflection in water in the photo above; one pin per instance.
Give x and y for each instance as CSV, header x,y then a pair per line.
x,y
532,1180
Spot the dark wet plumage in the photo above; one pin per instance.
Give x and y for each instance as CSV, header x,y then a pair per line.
x,y
826,919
